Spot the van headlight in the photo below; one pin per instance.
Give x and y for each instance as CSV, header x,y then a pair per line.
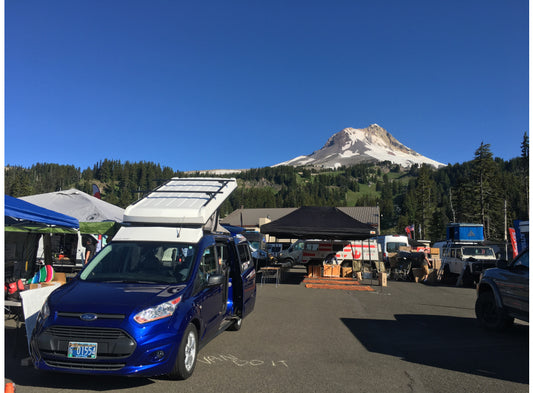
x,y
45,311
160,311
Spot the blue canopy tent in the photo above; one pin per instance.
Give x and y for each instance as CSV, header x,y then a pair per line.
x,y
19,213
24,223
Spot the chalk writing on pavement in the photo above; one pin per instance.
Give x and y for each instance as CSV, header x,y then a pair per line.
x,y
217,359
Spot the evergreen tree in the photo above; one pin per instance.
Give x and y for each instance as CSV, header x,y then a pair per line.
x,y
483,185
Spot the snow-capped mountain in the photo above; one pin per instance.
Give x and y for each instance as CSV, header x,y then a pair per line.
x,y
354,146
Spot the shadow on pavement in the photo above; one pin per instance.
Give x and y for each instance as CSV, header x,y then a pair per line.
x,y
446,342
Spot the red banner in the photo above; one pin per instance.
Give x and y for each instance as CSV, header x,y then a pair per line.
x,y
512,234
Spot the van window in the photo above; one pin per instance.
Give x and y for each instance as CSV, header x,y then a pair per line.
x,y
222,254
311,246
395,246
244,256
208,263
335,247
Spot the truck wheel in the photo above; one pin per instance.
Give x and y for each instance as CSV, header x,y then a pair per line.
x,y
446,275
468,278
236,325
489,315
186,358
290,260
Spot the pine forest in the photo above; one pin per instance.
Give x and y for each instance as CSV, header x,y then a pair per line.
x,y
484,190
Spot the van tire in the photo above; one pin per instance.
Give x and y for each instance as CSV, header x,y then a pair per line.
x,y
236,325
187,354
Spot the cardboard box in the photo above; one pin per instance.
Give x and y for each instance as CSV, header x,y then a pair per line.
x,y
357,266
332,271
435,251
346,271
60,277
382,278
314,271
436,262
359,276
405,248
45,284
380,266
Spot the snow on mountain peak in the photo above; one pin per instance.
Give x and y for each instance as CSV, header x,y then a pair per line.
x,y
353,145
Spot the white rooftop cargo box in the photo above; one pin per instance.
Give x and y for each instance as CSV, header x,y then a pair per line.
x,y
181,201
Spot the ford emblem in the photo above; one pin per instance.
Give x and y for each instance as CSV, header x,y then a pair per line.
x,y
88,317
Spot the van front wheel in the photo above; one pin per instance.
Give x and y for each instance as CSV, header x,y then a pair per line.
x,y
186,358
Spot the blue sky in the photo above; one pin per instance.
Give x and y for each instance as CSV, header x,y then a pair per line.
x,y
244,84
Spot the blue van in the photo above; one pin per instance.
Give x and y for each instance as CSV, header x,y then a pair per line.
x,y
163,288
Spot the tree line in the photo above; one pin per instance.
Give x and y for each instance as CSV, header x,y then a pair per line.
x,y
485,190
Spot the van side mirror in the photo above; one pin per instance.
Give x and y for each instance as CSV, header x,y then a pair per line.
x,y
215,280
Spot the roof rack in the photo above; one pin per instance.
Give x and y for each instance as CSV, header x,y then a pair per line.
x,y
181,201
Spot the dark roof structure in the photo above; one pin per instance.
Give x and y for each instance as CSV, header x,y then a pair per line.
x,y
319,223
252,217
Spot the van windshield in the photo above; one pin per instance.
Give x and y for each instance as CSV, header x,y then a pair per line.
x,y
395,246
478,251
141,262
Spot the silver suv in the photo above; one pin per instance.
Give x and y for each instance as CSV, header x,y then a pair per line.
x,y
503,293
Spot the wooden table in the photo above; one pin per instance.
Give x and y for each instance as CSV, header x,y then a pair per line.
x,y
270,272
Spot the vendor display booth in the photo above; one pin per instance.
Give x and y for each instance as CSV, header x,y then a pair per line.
x,y
310,222
24,224
99,221
332,244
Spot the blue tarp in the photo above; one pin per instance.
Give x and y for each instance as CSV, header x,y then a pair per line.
x,y
21,211
234,230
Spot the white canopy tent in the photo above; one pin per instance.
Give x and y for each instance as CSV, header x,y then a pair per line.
x,y
89,211
77,204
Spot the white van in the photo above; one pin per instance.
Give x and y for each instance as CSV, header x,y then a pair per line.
x,y
391,243
316,251
68,250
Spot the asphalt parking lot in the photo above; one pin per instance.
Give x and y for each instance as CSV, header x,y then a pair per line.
x,y
405,337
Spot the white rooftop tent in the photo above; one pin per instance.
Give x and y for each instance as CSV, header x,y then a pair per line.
x,y
179,210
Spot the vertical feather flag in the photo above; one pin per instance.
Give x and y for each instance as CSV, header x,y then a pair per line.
x,y
514,243
410,229
96,191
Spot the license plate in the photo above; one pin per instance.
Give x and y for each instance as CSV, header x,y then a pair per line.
x,y
81,350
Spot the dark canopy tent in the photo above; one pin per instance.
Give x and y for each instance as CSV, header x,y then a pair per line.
x,y
319,223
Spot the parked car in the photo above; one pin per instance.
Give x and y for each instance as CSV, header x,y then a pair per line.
x,y
156,294
503,293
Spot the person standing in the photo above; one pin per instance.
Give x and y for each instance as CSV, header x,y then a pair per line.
x,y
426,264
90,249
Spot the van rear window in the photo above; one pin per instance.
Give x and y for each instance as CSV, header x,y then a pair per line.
x,y
395,246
